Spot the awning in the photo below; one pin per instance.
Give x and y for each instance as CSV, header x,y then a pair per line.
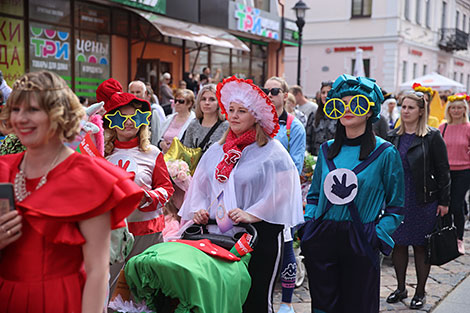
x,y
189,31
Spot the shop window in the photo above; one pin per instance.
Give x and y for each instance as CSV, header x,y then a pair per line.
x,y
198,59
55,12
12,7
241,63
120,24
361,8
50,49
92,62
92,17
220,59
258,71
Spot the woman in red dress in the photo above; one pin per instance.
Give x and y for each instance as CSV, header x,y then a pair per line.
x,y
55,257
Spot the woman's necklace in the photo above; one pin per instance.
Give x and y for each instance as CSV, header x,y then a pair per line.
x,y
21,192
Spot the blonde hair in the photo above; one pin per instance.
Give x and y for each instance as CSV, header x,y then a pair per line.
x,y
290,98
422,129
110,135
282,81
261,137
53,96
463,103
188,96
206,88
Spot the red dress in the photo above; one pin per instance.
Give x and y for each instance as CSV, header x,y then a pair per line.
x,y
43,270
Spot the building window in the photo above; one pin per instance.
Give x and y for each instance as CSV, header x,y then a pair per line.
x,y
444,11
468,82
461,78
457,19
455,76
464,21
259,4
366,66
403,76
418,11
428,14
425,69
415,70
361,8
407,10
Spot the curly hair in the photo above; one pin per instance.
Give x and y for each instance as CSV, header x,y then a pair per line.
x,y
110,135
54,96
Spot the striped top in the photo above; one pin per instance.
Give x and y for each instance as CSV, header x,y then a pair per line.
x,y
457,139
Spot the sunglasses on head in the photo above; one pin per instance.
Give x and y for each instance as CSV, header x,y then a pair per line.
x,y
180,101
273,91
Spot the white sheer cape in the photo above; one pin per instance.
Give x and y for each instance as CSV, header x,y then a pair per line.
x,y
264,182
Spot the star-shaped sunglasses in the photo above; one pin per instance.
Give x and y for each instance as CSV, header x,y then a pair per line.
x,y
359,105
118,120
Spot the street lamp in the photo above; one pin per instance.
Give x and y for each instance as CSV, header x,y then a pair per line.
x,y
300,7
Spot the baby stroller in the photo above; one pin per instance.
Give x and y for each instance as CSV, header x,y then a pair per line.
x,y
177,277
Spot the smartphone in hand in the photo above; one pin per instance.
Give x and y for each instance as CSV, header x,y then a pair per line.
x,y
7,198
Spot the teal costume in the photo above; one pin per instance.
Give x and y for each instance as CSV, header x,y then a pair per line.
x,y
353,207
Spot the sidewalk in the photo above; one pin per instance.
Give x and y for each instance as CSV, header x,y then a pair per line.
x,y
441,282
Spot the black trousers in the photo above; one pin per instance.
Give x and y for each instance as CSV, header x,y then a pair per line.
x,y
460,183
264,267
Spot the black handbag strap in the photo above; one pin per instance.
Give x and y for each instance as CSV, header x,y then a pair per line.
x,y
444,130
209,134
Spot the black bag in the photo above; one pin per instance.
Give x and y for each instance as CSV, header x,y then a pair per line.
x,y
442,243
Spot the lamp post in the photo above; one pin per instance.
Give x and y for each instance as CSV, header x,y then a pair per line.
x,y
300,7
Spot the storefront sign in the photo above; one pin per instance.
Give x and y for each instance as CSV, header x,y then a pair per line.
x,y
157,6
459,63
291,32
11,49
50,49
351,49
415,52
57,12
250,21
12,7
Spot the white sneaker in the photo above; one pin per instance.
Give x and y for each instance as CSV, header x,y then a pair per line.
x,y
284,308
461,246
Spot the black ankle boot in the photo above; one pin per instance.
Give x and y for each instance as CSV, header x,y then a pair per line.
x,y
417,302
397,295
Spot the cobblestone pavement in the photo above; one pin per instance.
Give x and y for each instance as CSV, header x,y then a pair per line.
x,y
442,280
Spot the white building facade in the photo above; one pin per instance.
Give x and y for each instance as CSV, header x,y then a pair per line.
x,y
401,40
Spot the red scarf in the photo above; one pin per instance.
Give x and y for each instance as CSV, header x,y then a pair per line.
x,y
233,148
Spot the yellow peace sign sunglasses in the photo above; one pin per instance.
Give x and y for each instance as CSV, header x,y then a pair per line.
x,y
359,105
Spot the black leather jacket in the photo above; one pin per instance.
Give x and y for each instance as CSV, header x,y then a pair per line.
x,y
429,165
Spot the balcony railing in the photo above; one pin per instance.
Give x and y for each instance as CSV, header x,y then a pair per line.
x,y
451,39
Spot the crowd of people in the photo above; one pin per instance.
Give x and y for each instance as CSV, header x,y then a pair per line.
x,y
95,184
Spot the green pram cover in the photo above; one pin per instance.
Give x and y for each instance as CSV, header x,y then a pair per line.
x,y
202,283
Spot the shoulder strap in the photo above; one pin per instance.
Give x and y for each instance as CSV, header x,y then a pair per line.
x,y
374,155
290,119
209,134
444,130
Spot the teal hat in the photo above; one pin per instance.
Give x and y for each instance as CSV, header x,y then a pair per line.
x,y
348,85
